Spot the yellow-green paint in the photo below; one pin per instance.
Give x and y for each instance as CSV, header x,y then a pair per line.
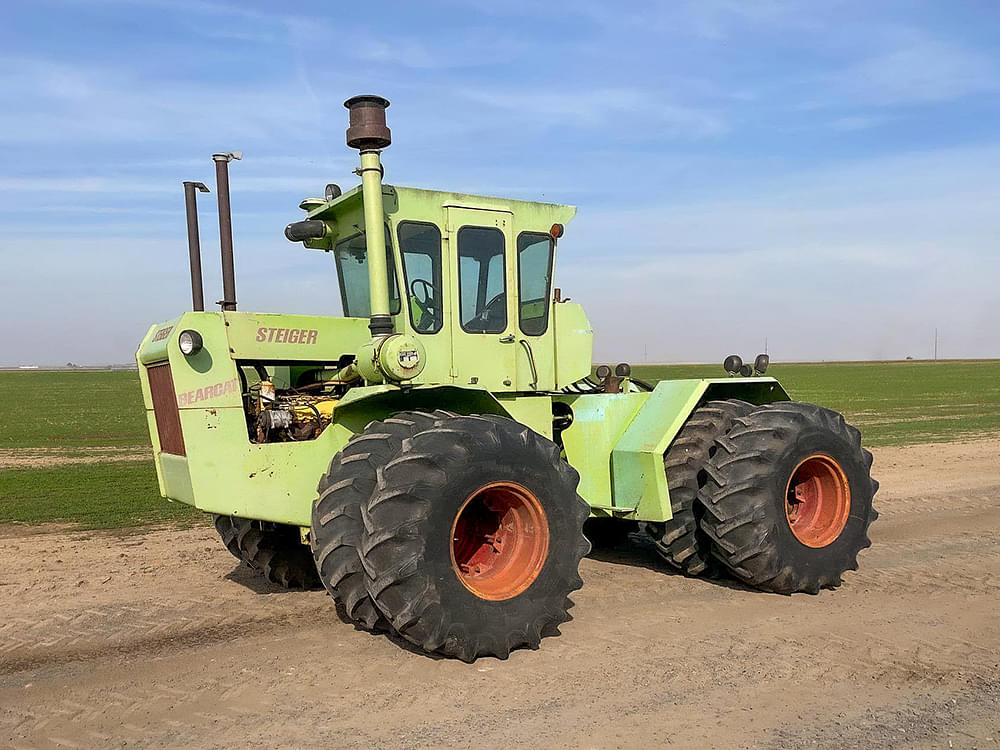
x,y
533,411
639,483
371,186
499,361
599,420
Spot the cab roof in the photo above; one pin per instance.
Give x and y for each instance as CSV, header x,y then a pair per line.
x,y
418,200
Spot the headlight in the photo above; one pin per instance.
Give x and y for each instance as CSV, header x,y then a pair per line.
x,y
189,342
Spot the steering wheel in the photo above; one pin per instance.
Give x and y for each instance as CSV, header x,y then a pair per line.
x,y
427,303
495,305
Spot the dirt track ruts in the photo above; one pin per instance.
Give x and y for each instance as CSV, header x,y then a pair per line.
x,y
158,639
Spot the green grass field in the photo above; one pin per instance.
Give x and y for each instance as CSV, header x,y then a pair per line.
x,y
893,403
63,414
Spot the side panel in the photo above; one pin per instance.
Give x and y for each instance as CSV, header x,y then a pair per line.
x,y
599,421
574,343
305,338
638,480
533,411
273,481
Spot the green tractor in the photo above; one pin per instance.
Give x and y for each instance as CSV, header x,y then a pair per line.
x,y
434,456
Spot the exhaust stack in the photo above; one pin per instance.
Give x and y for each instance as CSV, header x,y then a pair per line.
x,y
228,301
194,243
369,134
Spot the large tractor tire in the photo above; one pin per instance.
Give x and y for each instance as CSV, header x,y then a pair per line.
x,y
275,549
474,537
788,500
344,490
680,541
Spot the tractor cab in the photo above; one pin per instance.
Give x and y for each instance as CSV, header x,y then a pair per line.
x,y
469,278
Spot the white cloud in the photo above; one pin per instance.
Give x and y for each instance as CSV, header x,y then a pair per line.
x,y
852,262
620,109
916,72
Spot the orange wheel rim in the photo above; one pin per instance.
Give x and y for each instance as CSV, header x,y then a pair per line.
x,y
817,501
499,541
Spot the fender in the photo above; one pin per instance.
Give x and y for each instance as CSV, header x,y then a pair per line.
x,y
639,485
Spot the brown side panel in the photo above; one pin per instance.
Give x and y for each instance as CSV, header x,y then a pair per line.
x,y
168,418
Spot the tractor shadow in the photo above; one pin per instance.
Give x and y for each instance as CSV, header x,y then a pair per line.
x,y
551,631
254,581
638,550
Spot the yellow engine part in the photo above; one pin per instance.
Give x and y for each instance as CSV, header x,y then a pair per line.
x,y
304,411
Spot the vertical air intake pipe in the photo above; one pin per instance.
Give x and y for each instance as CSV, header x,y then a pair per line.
x,y
194,243
368,133
228,301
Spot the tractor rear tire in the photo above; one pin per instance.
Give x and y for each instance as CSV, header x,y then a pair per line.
x,y
680,541
275,549
474,537
788,500
343,490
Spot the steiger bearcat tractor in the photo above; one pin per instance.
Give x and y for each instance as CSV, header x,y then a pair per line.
x,y
432,456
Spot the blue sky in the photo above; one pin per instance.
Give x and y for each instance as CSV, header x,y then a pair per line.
x,y
826,175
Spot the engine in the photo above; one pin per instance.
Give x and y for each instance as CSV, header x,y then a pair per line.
x,y
292,414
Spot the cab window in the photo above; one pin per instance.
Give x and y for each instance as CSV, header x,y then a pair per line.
x,y
420,245
534,280
482,285
351,256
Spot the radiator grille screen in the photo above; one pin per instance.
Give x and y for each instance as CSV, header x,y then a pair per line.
x,y
168,418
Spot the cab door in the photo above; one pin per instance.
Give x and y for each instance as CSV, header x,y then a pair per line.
x,y
483,298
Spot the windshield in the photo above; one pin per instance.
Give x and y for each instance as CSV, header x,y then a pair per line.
x,y
351,256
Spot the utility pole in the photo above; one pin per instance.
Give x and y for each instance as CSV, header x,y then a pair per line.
x,y
935,344
765,345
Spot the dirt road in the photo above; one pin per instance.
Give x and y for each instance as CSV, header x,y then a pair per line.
x,y
159,639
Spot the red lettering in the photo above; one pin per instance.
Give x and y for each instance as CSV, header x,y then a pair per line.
x,y
293,336
312,337
261,334
162,333
270,336
208,392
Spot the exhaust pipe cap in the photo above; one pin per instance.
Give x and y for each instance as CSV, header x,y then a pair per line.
x,y
368,129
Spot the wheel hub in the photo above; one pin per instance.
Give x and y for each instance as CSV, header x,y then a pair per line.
x,y
817,501
500,541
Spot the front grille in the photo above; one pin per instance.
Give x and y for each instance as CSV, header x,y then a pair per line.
x,y
168,418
